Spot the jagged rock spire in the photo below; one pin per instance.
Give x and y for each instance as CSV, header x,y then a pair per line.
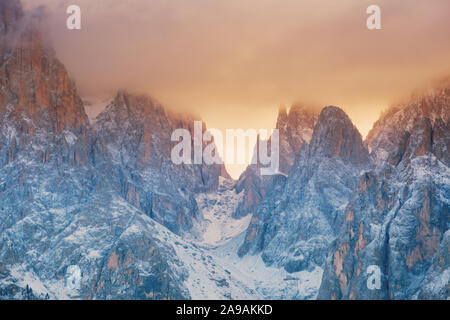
x,y
336,136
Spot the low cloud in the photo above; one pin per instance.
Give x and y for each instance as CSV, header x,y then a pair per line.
x,y
227,57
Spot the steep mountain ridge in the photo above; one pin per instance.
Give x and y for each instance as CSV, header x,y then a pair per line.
x,y
398,219
298,219
295,131
133,148
387,137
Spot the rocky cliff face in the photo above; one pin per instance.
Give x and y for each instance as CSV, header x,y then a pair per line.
x,y
295,131
398,218
41,115
34,83
388,137
133,149
301,214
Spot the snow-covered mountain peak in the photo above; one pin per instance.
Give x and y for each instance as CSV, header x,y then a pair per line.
x,y
399,120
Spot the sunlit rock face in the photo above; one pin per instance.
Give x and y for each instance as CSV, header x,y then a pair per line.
x,y
302,212
335,136
398,217
42,118
34,84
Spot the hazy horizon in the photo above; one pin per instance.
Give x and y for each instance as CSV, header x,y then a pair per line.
x,y
235,63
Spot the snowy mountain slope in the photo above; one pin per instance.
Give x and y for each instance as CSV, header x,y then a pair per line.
x,y
268,282
117,251
218,225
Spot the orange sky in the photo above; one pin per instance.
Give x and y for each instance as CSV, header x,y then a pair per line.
x,y
234,62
